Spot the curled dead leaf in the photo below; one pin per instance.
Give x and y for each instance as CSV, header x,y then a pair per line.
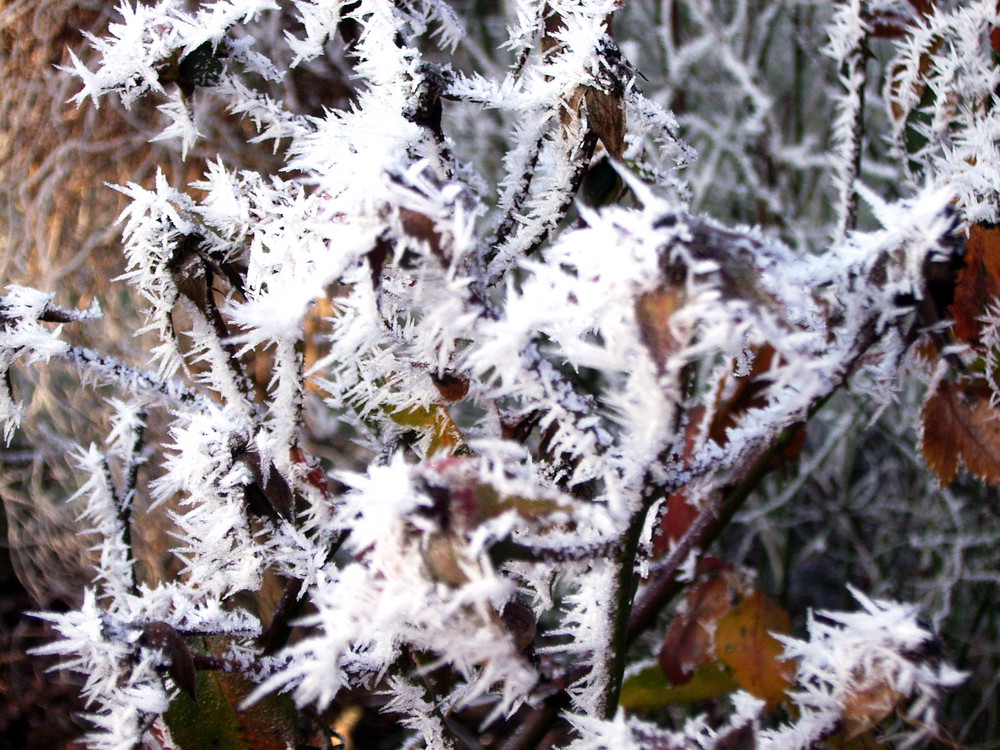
x,y
606,117
653,312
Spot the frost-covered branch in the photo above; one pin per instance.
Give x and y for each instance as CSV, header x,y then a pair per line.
x,y
445,406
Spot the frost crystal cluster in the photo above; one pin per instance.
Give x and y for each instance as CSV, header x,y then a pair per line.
x,y
454,377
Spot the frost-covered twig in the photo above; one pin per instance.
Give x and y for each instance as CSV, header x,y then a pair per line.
x,y
848,46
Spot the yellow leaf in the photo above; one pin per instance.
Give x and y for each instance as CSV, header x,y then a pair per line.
x,y
435,423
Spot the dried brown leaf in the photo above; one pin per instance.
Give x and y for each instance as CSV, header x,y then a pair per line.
x,y
960,427
866,707
978,284
606,116
653,311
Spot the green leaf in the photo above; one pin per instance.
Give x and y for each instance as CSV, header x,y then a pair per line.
x,y
215,721
649,690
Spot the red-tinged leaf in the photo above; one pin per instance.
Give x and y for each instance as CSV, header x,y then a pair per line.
x,y
688,644
742,394
745,393
960,428
978,284
677,519
313,474
745,644
680,514
737,395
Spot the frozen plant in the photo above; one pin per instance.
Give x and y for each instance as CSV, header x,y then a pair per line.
x,y
444,421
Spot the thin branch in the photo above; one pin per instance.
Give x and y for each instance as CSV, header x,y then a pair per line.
x,y
126,502
624,593
111,371
854,77
123,517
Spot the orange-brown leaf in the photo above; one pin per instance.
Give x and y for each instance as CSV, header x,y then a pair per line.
x,y
743,642
961,428
688,644
978,284
866,707
680,513
653,311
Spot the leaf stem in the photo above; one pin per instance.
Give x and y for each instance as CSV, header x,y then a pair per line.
x,y
625,586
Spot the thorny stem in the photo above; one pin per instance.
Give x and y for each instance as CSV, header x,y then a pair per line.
x,y
510,550
132,468
632,619
509,220
581,161
230,359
